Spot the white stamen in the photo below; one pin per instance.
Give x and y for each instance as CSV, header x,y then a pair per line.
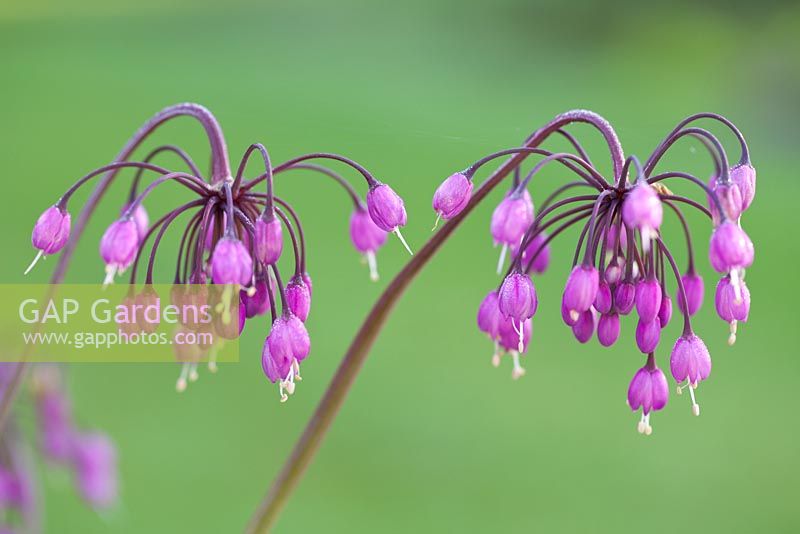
x,y
402,240
436,224
496,355
180,385
224,305
193,374
502,259
212,359
647,428
521,345
695,406
518,371
39,256
251,290
373,265
296,366
732,337
574,315
641,426
111,270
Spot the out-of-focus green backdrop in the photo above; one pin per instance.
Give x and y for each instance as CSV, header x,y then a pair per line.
x,y
431,438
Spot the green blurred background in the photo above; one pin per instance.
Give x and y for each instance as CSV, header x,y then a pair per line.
x,y
431,438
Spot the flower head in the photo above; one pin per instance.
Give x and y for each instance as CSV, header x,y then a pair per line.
x,y
367,238
51,232
286,346
732,302
690,362
625,298
517,297
665,311
511,218
648,390
581,289
118,246
744,176
608,329
298,297
694,287
648,300
583,329
642,209
452,196
269,239
730,198
489,316
730,248
231,263
648,334
536,254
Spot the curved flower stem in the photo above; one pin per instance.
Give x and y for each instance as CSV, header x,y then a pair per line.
x,y
316,155
267,513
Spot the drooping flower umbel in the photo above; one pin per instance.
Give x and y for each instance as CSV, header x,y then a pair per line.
x,y
233,238
621,259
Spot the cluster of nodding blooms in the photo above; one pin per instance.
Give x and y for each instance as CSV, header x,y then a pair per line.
x,y
234,236
621,264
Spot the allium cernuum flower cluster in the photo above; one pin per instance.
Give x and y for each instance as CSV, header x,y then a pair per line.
x,y
623,265
234,236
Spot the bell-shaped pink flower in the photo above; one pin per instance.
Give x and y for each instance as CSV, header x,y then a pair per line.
x,y
694,287
583,329
624,298
298,297
537,250
269,239
730,248
602,300
648,299
642,209
517,297
648,334
489,315
608,329
511,218
387,210
665,311
690,362
118,246
231,263
581,289
367,238
730,198
649,391
744,176
732,302
452,196
51,231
